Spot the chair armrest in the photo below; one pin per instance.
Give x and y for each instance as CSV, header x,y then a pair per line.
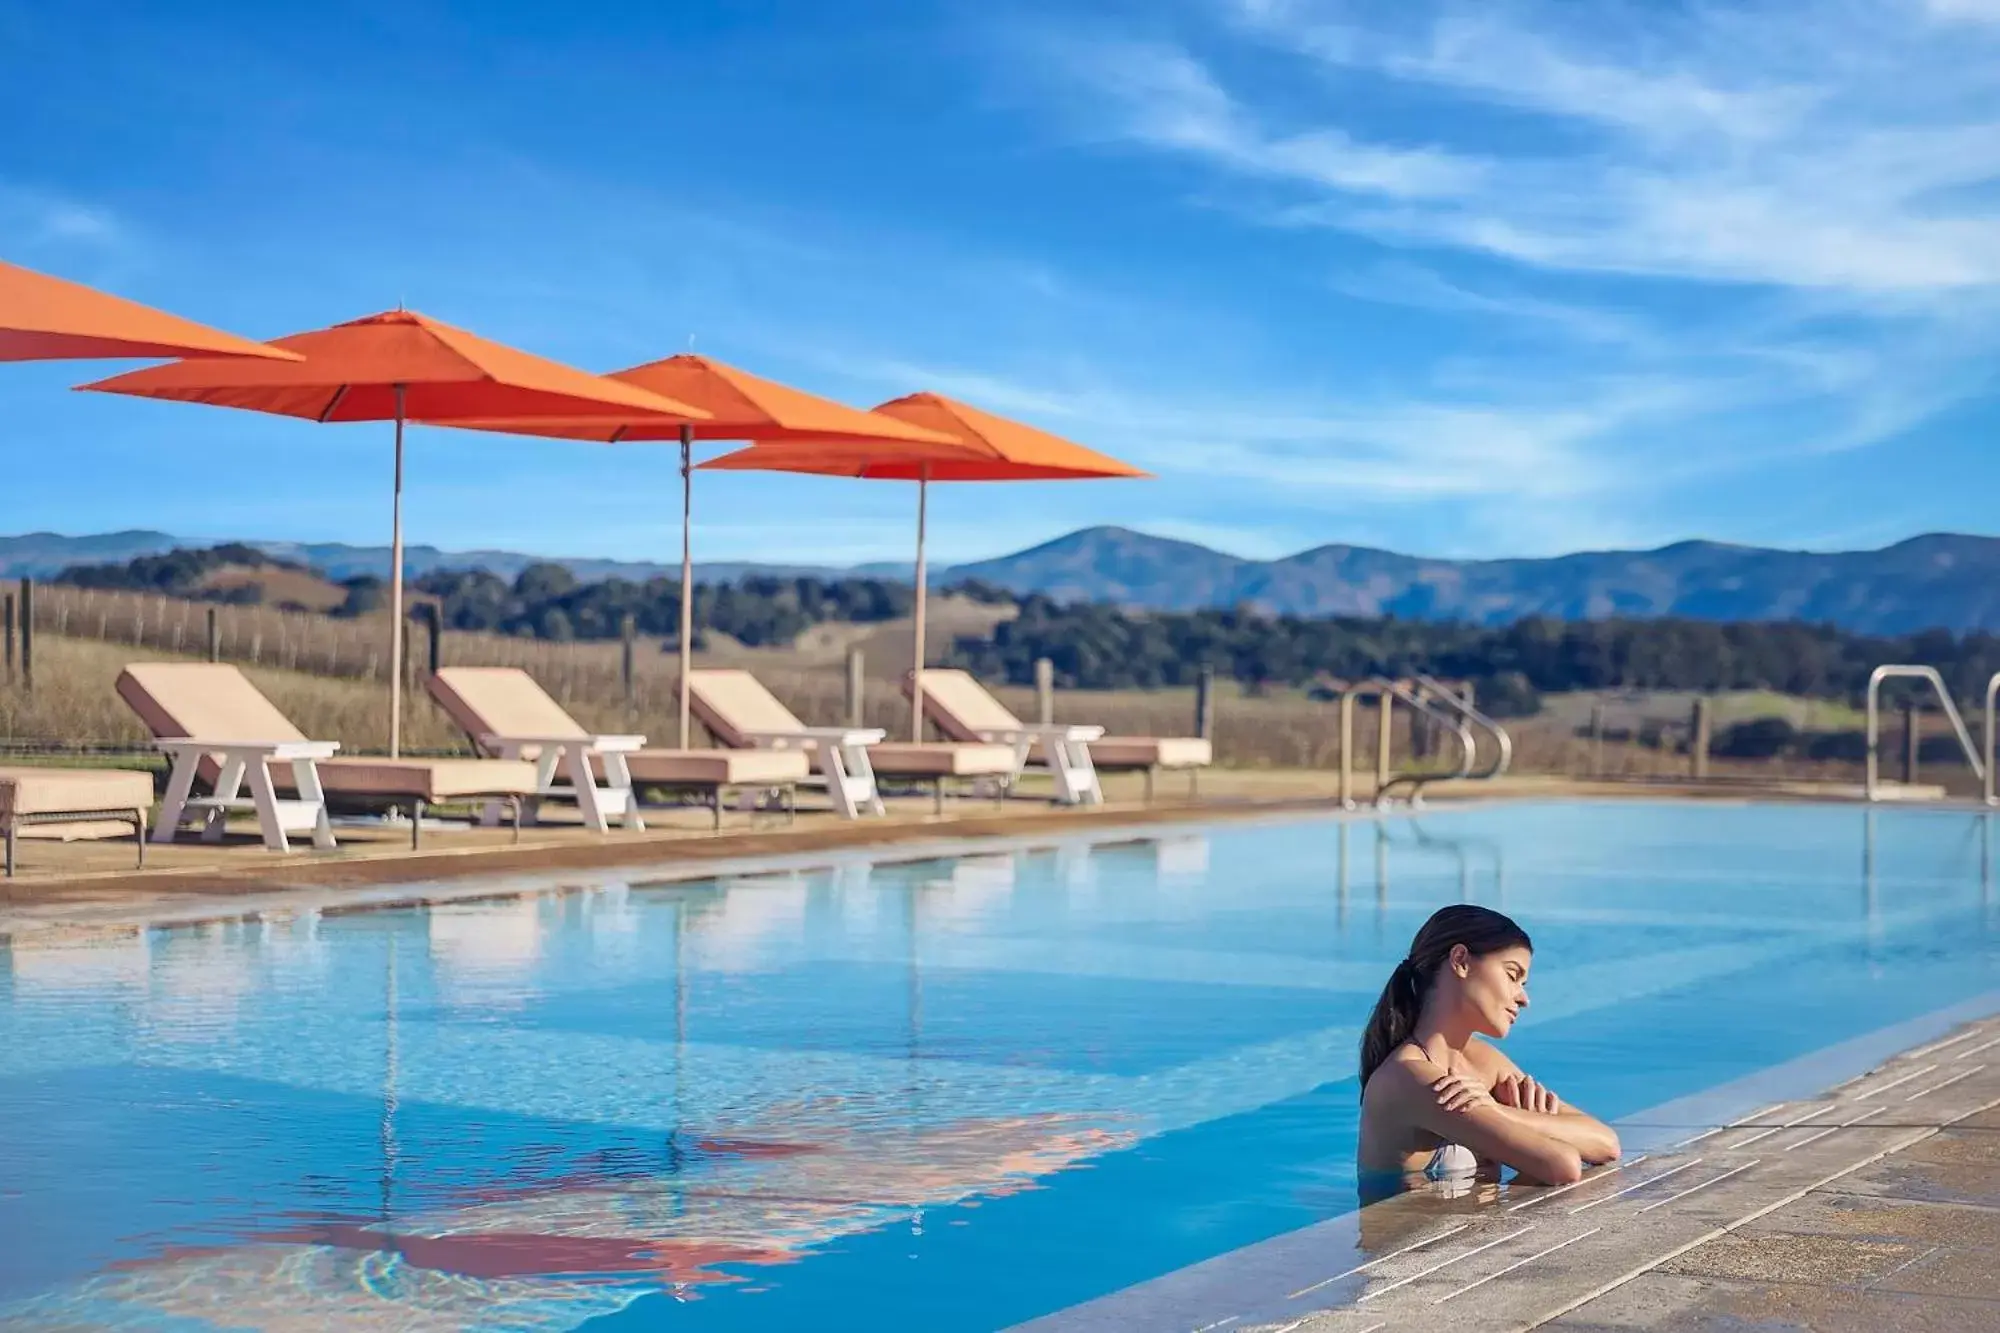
x,y
494,741
264,749
836,735
1056,731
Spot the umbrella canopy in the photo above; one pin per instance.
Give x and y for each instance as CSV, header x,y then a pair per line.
x,y
740,406
397,363
997,449
398,366
51,319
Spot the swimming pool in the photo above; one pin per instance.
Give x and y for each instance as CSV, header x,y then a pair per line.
x,y
951,1094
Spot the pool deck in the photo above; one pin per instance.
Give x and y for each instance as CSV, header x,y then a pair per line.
x,y
1872,1205
94,882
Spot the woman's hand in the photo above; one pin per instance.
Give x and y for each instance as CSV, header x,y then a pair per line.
x,y
1521,1092
1461,1091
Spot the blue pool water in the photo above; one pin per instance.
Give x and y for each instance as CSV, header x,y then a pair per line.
x,y
950,1094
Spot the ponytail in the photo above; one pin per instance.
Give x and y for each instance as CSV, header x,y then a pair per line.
x,y
1395,1016
1480,929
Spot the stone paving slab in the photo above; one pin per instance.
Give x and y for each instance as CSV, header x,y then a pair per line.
x,y
1881,1196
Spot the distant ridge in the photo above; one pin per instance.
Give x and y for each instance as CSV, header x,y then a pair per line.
x,y
1940,580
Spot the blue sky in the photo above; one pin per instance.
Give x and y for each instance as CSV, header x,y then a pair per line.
x,y
1469,277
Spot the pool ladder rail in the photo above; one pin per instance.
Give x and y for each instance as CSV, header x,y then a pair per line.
x,y
1442,705
1980,759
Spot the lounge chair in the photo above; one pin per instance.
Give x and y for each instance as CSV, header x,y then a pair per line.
x,y
742,714
215,724
962,708
74,803
507,714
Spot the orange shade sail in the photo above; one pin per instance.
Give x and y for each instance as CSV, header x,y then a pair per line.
x,y
52,319
996,449
353,372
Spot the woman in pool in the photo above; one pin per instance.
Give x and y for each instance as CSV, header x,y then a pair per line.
x,y
1437,1101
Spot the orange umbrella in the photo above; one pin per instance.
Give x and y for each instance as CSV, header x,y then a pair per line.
x,y
740,406
999,450
50,319
398,366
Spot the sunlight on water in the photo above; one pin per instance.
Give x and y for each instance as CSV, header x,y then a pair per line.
x,y
952,1094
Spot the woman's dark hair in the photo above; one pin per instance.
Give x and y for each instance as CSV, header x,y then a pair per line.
x,y
1480,929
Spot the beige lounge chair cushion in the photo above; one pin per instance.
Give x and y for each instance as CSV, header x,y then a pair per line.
x,y
947,759
713,768
215,701
500,701
205,700
424,779
1151,752
735,706
961,707
29,790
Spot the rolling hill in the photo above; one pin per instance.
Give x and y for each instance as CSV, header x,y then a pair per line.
x,y
1940,580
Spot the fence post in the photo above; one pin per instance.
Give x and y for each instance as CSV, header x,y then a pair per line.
x,y
1346,750
1420,728
1204,703
1909,744
28,635
434,628
1384,738
214,636
1698,728
857,687
10,638
1045,690
628,630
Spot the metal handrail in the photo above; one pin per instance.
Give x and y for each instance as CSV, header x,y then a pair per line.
x,y
1908,671
1992,688
1459,725
1503,744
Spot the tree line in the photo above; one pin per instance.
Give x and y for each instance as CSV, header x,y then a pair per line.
x,y
546,601
1105,647
1098,646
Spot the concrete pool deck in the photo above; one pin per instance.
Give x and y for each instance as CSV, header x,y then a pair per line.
x,y
1872,1205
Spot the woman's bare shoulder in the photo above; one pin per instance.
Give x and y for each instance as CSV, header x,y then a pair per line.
x,y
1406,1072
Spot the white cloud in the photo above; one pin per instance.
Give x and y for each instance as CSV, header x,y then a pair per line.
x,y
1767,230
1414,286
1977,11
33,219
1830,144
1164,97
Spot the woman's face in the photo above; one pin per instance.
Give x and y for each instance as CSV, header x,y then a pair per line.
x,y
1494,986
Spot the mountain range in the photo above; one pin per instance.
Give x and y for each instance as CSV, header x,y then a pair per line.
x,y
1937,581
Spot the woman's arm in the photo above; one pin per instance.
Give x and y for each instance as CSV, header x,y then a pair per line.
x,y
1596,1141
1469,1116
1530,1104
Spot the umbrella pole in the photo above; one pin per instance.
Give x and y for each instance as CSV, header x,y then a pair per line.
x,y
687,573
917,675
396,595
